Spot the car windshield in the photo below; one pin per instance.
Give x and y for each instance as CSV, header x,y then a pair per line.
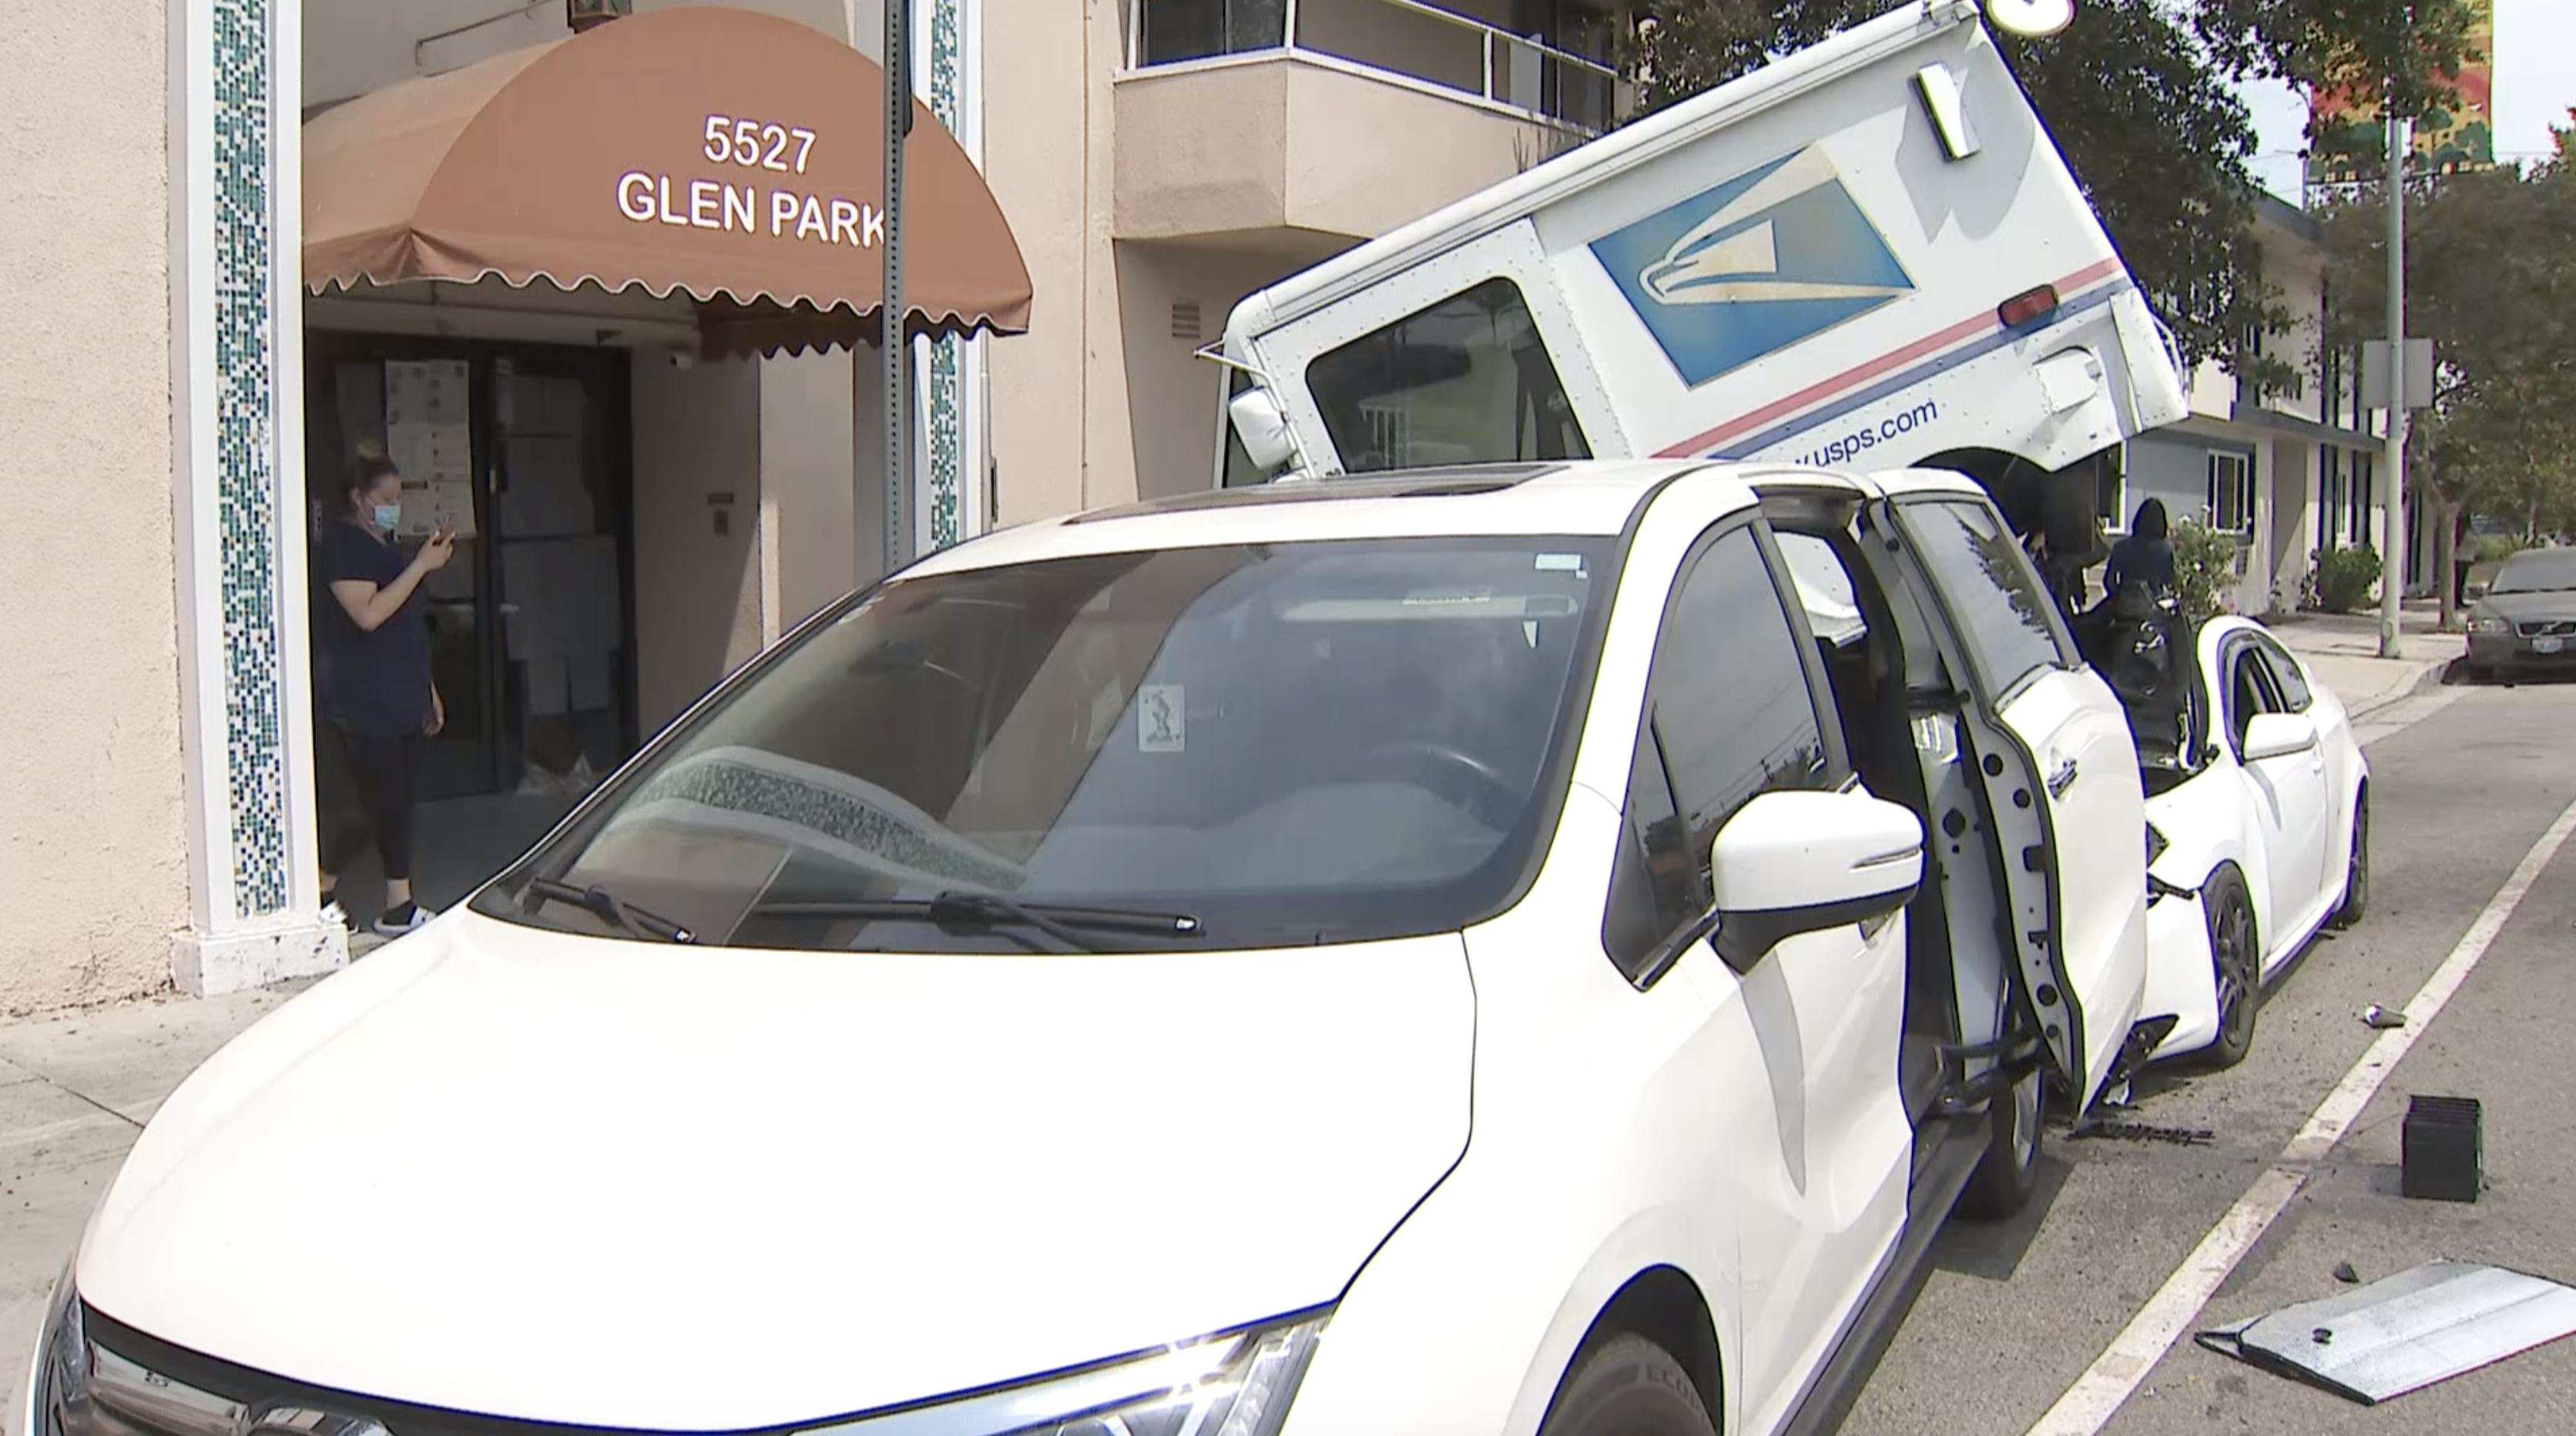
x,y
1289,743
2550,571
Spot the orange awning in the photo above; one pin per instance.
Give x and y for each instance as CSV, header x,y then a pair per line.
x,y
725,153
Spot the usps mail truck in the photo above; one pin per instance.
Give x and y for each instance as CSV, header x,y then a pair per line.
x,y
1866,254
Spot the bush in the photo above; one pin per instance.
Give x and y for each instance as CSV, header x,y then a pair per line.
x,y
2206,567
2341,580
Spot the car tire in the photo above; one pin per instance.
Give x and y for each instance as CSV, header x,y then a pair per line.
x,y
2356,872
1628,1386
2005,1176
2236,962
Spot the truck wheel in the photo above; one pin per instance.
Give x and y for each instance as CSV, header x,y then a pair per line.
x,y
2002,1183
1629,1387
2236,957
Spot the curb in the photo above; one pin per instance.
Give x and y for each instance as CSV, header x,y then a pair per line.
x,y
2427,677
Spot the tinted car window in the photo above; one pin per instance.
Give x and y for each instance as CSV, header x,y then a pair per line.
x,y
1730,715
2287,680
2248,692
1992,590
1293,742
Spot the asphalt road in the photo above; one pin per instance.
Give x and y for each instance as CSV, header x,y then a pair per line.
x,y
2013,1315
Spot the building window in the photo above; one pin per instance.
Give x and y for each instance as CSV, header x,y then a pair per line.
x,y
1466,381
2111,488
2231,493
1176,30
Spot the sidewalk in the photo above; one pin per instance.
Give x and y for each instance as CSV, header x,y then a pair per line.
x,y
74,1092
2343,649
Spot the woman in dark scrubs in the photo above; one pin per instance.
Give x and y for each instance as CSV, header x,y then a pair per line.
x,y
376,689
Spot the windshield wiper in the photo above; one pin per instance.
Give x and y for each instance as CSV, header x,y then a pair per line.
x,y
991,910
608,908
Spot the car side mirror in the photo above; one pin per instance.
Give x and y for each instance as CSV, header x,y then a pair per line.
x,y
2279,735
1263,427
1797,862
2475,591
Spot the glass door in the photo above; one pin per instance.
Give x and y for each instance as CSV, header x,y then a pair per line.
x,y
525,449
561,566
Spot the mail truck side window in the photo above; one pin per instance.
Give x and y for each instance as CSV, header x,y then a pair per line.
x,y
1465,381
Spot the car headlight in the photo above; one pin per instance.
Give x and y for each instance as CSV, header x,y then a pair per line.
x,y
2489,625
1234,1385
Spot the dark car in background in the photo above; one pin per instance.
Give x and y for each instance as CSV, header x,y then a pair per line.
x,y
2524,623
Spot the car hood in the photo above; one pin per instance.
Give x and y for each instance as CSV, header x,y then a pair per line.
x,y
2526,607
568,1179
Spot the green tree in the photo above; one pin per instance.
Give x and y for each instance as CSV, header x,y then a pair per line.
x,y
2489,284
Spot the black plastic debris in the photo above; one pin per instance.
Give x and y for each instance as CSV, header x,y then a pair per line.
x,y
2443,1149
2100,1129
2343,1272
2405,1332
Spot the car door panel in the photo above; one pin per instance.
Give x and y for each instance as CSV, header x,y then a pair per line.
x,y
1736,707
2052,747
2291,802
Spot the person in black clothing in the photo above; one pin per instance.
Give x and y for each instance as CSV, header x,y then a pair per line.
x,y
2146,556
376,691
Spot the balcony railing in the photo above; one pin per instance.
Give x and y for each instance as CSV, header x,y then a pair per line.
x,y
1405,38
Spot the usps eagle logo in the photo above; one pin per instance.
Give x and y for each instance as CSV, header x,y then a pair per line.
x,y
1752,266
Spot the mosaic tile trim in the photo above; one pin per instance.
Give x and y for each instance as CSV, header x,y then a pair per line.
x,y
944,420
246,457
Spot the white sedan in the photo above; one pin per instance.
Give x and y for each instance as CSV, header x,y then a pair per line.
x,y
2258,813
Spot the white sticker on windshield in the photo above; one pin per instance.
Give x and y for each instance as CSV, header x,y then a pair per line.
x,y
1162,723
1561,563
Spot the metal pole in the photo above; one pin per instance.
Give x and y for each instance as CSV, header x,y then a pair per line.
x,y
894,346
2392,558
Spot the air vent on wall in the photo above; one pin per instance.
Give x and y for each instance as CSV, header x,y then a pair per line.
x,y
1185,320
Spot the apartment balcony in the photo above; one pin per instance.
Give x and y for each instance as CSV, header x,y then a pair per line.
x,y
1293,128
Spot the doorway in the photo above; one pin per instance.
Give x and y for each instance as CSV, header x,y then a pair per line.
x,y
527,449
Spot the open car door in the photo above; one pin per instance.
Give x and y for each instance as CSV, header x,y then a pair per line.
x,y
2053,749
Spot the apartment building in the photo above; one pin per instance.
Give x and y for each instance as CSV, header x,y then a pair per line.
x,y
214,320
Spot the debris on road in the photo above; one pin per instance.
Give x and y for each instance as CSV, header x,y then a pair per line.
x,y
2381,1018
2344,1272
2442,1149
2142,1132
2405,1332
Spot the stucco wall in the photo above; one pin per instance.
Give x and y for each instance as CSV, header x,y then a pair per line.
x,y
1060,436
697,600
93,857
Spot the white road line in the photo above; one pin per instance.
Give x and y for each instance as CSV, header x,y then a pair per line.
x,y
2089,1404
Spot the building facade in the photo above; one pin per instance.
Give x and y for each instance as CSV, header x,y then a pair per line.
x,y
187,406
2287,472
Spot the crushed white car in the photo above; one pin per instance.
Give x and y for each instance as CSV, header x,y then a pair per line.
x,y
2258,813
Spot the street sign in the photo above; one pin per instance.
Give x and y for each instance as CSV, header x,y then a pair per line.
x,y
2419,374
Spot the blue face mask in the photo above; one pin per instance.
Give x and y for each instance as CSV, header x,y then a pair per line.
x,y
387,516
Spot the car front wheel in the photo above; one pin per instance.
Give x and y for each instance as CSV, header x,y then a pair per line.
x,y
2237,962
1629,1386
2356,876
